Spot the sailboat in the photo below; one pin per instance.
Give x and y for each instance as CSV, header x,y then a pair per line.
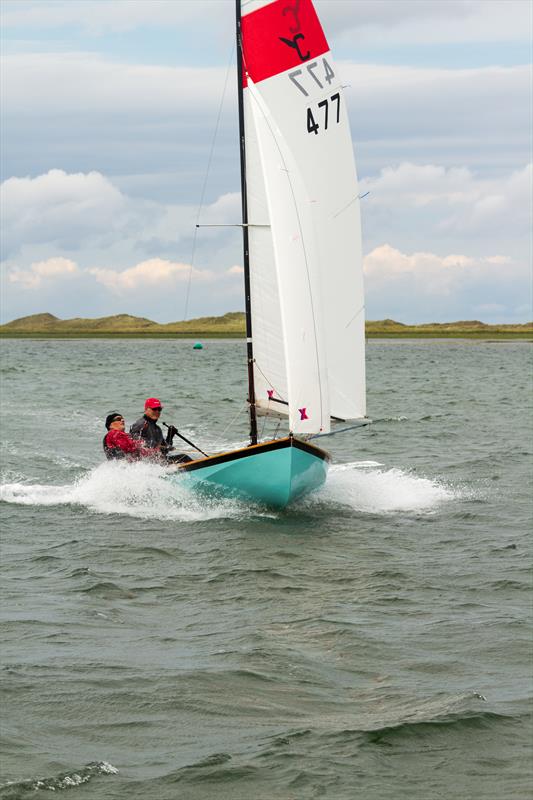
x,y
302,255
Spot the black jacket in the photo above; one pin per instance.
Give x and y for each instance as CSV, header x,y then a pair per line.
x,y
148,431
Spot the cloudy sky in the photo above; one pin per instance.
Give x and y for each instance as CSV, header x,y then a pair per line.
x,y
109,109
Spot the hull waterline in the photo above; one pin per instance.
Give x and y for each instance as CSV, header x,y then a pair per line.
x,y
271,473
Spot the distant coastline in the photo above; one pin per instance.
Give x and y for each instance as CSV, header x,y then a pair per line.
x,y
232,325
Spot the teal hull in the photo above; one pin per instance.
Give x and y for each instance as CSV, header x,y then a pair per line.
x,y
271,473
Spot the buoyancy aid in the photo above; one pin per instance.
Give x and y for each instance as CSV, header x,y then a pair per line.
x,y
148,431
112,452
119,444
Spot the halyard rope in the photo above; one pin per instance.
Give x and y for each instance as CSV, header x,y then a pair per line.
x,y
202,197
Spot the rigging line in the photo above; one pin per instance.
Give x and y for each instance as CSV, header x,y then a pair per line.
x,y
253,93
234,225
202,195
265,420
231,422
357,197
354,316
267,380
362,424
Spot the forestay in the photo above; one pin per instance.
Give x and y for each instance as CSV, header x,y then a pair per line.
x,y
304,217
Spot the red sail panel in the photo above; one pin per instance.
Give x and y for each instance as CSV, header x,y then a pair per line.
x,y
280,36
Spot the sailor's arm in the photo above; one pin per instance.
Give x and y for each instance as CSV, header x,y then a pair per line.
x,y
126,442
136,430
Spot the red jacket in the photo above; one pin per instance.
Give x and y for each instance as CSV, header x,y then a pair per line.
x,y
119,444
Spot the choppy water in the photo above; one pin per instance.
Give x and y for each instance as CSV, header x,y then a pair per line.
x,y
373,641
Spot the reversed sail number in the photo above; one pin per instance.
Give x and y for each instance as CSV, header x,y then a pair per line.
x,y
312,69
312,125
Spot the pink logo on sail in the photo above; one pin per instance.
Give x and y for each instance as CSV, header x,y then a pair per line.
x,y
303,414
270,393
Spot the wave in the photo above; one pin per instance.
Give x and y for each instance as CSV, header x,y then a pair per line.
x,y
395,732
65,780
381,491
292,753
140,490
464,711
482,720
46,456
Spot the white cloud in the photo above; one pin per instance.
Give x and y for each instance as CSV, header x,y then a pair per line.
x,y
155,272
87,213
498,260
429,206
40,271
363,21
434,274
425,286
87,191
225,210
422,185
113,15
506,202
58,207
394,102
35,84
397,22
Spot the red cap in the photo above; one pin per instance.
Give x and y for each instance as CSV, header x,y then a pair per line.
x,y
153,402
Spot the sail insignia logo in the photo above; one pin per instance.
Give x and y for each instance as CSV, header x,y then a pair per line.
x,y
293,10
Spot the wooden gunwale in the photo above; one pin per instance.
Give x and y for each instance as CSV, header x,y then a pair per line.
x,y
262,447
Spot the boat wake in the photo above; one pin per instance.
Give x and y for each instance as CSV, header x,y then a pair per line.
x,y
369,487
137,490
141,490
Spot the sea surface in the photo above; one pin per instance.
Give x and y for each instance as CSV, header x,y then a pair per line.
x,y
373,641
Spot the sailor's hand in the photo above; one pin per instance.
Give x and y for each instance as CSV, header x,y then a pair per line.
x,y
171,432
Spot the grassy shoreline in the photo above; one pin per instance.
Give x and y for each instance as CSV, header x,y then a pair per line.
x,y
232,326
474,335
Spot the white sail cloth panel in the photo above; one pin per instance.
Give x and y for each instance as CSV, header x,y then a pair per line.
x,y
324,159
295,265
270,373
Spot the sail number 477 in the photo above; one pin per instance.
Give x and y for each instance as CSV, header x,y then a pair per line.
x,y
312,125
320,74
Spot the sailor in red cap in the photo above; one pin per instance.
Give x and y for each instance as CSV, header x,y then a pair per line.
x,y
146,428
148,433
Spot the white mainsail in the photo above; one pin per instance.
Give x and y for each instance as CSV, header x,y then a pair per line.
x,y
303,211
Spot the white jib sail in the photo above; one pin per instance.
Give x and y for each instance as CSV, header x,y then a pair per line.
x,y
306,269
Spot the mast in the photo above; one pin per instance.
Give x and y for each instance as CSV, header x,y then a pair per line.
x,y
248,305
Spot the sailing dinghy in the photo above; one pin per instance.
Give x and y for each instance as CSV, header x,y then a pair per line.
x,y
302,254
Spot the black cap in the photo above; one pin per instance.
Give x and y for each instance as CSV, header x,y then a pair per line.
x,y
111,418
